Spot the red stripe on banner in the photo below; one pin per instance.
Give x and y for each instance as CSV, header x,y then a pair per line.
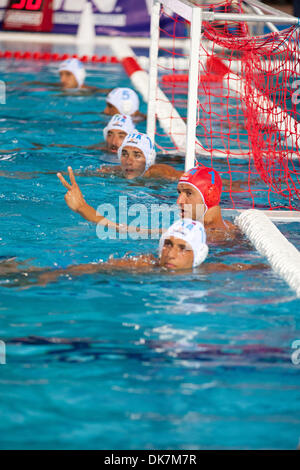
x,y
130,65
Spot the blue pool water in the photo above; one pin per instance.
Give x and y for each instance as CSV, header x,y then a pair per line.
x,y
119,360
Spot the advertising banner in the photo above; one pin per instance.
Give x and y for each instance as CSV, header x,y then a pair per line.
x,y
112,17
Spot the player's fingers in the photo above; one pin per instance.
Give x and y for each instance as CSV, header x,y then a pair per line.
x,y
63,181
71,174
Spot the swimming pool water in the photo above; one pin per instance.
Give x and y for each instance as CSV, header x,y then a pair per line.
x,y
124,360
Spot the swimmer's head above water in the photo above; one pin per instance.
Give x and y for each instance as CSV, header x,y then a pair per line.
x,y
199,190
123,101
183,245
116,130
136,155
72,74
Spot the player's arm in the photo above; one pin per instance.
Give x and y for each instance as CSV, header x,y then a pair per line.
x,y
142,263
235,267
76,203
95,89
137,262
19,175
100,146
54,85
110,169
10,151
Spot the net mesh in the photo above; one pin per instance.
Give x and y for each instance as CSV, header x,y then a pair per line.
x,y
247,106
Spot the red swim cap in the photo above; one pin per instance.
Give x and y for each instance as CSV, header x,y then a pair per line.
x,y
207,181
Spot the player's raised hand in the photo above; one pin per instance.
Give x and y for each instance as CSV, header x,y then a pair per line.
x,y
73,197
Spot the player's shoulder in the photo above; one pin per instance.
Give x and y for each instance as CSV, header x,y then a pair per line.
x,y
231,227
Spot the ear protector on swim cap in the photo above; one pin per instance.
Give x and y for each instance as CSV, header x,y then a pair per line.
x,y
124,99
120,122
142,142
76,68
192,232
207,181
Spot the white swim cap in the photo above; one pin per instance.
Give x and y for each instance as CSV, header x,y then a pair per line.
x,y
124,99
121,122
142,142
192,232
77,69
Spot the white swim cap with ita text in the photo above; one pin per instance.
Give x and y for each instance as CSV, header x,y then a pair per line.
x,y
121,122
143,143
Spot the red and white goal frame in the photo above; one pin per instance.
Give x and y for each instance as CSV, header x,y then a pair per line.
x,y
183,134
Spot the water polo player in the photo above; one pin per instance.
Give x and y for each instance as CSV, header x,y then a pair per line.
x,y
199,199
116,130
72,77
199,196
181,248
137,158
72,74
